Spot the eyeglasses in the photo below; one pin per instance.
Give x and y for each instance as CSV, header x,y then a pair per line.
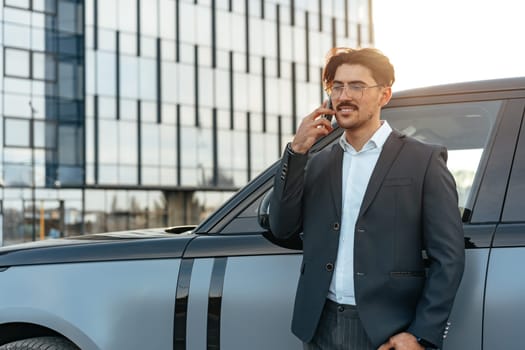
x,y
354,90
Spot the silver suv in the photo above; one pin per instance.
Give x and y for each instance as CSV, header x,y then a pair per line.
x,y
224,284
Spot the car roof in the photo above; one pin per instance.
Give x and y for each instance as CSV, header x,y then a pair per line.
x,y
505,84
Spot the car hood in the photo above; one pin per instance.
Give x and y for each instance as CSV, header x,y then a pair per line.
x,y
123,245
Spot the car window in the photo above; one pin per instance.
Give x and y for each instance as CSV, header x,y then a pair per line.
x,y
464,128
513,210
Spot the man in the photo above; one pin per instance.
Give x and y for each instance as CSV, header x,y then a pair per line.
x,y
370,210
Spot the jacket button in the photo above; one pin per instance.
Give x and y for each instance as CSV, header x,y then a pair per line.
x,y
329,267
336,226
361,230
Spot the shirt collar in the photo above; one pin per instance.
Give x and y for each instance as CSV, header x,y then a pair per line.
x,y
377,140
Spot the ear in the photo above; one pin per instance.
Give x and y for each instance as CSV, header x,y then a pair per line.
x,y
385,96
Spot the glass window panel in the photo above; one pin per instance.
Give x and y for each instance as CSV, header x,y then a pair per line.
x,y
38,40
240,155
169,114
107,139
186,84
148,47
189,176
169,82
168,50
17,35
18,174
129,80
90,174
221,89
148,111
255,93
106,107
256,34
106,73
206,87
17,3
187,116
107,13
189,145
128,147
167,21
44,66
17,85
15,15
17,105
240,120
127,15
107,174
67,82
71,144
45,134
17,132
16,62
238,6
203,28
150,175
17,155
240,91
150,144
223,27
46,6
90,72
168,146
168,176
90,136
128,44
67,17
107,40
187,22
187,53
148,18
127,175
223,60
225,149
128,109
70,175
148,78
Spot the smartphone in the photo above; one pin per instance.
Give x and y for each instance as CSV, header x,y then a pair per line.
x,y
328,105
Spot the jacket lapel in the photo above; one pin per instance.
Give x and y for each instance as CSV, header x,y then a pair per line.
x,y
391,148
336,174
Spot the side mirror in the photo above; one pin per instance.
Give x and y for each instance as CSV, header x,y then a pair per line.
x,y
263,212
263,218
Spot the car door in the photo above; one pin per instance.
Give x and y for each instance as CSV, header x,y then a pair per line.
x,y
236,289
480,134
504,303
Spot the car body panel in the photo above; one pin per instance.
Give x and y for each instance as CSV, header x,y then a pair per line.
x,y
115,305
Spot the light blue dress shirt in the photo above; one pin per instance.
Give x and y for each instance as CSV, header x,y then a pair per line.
x,y
357,170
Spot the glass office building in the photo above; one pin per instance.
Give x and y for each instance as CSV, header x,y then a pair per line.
x,y
124,114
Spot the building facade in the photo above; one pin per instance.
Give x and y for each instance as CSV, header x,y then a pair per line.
x,y
124,114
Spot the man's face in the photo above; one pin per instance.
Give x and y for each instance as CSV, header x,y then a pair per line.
x,y
357,104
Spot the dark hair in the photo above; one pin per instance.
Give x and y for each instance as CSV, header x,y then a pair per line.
x,y
378,64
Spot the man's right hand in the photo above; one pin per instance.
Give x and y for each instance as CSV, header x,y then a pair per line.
x,y
311,129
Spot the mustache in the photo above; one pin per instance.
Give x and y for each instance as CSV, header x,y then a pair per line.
x,y
346,104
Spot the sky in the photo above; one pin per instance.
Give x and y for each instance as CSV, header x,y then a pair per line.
x,y
434,42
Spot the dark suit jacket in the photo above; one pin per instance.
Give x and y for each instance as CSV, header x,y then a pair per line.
x,y
410,206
